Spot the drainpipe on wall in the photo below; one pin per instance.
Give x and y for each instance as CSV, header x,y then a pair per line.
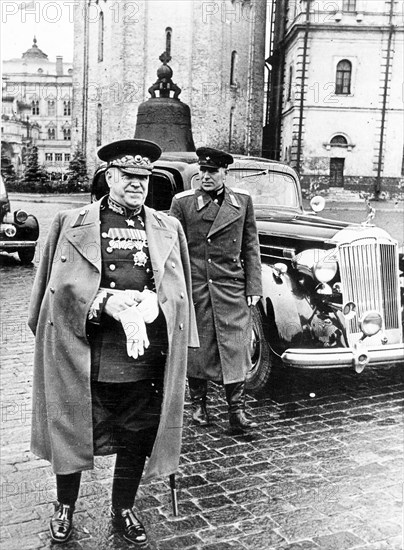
x,y
84,114
385,91
303,78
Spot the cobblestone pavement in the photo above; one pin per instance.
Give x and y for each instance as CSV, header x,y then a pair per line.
x,y
323,470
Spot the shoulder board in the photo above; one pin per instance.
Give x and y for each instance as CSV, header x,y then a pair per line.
x,y
241,191
186,193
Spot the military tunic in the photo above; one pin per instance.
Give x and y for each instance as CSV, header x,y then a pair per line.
x,y
225,268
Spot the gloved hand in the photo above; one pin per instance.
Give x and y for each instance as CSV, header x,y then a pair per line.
x,y
135,330
148,306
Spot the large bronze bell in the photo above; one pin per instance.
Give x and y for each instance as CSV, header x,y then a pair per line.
x,y
164,119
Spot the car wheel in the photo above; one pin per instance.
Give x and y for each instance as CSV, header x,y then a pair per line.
x,y
261,355
26,255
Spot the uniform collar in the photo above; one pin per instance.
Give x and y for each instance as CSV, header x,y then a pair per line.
x,y
203,198
123,210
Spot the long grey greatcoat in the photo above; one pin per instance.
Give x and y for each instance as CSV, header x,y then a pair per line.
x,y
66,283
225,267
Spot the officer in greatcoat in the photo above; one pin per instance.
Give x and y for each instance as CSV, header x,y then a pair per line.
x,y
221,231
112,312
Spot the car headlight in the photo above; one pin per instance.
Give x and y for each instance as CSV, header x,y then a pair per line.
x,y
370,323
20,216
325,270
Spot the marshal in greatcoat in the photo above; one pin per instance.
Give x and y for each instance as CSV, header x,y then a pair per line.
x,y
103,382
222,239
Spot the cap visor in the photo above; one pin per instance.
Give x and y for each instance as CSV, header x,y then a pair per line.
x,y
138,171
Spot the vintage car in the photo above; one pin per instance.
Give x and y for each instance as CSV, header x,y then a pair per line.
x,y
19,231
332,295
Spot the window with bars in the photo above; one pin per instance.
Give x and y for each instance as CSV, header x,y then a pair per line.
x,y
349,5
67,108
343,77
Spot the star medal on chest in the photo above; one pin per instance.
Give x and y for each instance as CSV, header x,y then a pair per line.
x,y
139,258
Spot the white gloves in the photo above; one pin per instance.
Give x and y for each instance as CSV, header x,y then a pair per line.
x,y
148,306
133,320
135,330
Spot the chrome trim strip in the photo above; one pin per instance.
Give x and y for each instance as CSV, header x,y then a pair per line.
x,y
333,358
18,244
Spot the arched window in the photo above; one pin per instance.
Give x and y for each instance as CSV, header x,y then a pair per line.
x,y
99,124
67,134
339,140
67,108
101,37
343,77
35,107
233,68
51,133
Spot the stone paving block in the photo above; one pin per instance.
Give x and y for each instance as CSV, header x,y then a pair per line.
x,y
226,515
217,501
248,495
224,474
338,541
178,543
206,491
214,535
265,540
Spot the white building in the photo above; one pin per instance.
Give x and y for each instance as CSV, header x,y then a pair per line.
x,y
44,88
217,51
346,128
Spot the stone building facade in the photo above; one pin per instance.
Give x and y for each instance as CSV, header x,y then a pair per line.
x,y
217,51
336,105
38,94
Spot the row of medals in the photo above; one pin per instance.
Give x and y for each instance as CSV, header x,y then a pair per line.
x,y
128,239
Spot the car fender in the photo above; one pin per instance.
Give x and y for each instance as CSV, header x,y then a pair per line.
x,y
286,309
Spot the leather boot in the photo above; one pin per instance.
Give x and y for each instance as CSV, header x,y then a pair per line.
x,y
129,525
61,523
198,390
235,395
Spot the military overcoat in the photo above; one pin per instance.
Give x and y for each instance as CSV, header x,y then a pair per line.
x,y
65,286
225,268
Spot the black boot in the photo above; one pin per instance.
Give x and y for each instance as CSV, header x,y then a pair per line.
x,y
235,395
129,525
198,390
61,523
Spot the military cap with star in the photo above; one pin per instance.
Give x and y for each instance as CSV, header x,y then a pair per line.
x,y
213,158
132,156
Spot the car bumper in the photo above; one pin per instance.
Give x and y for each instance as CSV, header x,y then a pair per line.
x,y
14,245
344,357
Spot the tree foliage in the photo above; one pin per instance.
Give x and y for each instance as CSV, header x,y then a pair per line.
x,y
34,175
77,176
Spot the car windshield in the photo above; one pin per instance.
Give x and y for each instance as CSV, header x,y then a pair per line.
x,y
267,188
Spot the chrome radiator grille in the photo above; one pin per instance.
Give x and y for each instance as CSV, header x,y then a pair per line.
x,y
369,276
